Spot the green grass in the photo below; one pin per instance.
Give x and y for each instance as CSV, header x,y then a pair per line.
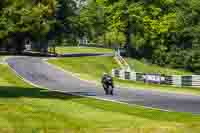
x,y
140,66
91,68
64,50
24,108
88,67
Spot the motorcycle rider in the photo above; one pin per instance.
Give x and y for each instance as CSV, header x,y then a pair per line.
x,y
107,82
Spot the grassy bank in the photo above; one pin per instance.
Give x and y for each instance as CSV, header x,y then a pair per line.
x,y
91,68
87,67
65,50
140,66
24,108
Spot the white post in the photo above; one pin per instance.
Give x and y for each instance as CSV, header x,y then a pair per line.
x,y
133,76
177,80
113,72
196,80
122,74
79,42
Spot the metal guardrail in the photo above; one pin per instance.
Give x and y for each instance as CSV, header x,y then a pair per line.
x,y
175,80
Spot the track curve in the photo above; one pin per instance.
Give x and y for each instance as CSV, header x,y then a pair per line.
x,y
35,70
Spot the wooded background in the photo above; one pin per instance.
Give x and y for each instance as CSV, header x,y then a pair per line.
x,y
164,32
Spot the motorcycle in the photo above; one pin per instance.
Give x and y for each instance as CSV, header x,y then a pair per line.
x,y
108,86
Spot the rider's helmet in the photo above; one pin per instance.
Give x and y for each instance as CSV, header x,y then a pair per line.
x,y
105,74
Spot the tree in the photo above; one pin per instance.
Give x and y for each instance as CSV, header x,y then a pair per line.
x,y
163,31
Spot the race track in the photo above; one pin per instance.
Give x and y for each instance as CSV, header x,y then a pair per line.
x,y
35,70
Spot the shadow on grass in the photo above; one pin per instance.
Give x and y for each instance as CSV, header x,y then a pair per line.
x,y
15,92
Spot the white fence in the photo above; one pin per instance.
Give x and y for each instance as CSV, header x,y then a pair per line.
x,y
175,80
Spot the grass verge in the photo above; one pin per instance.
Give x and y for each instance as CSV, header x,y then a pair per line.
x,y
87,67
65,50
140,66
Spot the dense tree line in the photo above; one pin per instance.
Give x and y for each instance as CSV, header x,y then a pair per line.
x,y
166,32
40,20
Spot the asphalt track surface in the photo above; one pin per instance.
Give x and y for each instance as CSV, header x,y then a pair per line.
x,y
37,71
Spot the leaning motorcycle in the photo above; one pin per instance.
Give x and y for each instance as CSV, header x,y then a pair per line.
x,y
108,86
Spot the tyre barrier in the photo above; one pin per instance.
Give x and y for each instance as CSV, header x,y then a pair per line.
x,y
174,80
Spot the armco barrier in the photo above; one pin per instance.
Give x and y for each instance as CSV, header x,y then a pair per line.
x,y
175,80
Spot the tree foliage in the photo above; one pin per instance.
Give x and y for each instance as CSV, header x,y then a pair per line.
x,y
37,19
166,32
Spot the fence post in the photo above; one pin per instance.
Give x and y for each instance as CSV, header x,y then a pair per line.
x,y
122,74
177,80
133,76
113,72
196,80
